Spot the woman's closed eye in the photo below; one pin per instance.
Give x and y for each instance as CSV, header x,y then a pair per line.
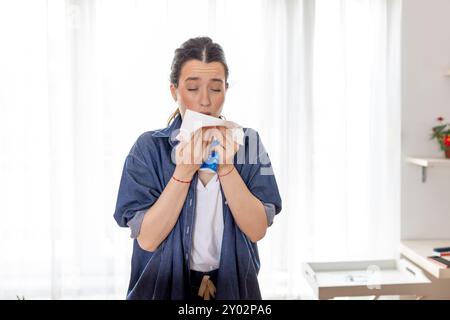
x,y
195,89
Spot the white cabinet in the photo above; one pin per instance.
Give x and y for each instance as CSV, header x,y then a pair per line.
x,y
417,252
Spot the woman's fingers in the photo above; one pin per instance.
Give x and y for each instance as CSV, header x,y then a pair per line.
x,y
198,146
205,152
201,144
228,147
180,151
197,149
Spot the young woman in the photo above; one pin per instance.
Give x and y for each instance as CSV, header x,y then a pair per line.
x,y
195,232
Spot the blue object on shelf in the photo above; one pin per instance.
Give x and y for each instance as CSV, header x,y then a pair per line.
x,y
441,249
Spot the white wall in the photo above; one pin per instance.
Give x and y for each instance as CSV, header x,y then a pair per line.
x,y
426,95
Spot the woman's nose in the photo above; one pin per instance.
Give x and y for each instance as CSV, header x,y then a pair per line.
x,y
204,99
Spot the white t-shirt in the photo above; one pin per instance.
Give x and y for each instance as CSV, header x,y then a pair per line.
x,y
208,227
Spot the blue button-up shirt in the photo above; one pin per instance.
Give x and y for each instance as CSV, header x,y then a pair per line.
x,y
164,273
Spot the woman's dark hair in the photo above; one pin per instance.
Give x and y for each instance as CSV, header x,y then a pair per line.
x,y
202,49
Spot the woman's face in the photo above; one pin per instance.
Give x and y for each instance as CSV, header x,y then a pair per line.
x,y
201,88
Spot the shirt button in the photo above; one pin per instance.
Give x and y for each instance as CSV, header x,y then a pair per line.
x,y
187,230
226,202
187,256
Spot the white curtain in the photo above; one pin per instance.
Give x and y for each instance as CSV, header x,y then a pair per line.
x,y
80,80
334,100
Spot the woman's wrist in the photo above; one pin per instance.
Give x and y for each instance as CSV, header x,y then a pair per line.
x,y
184,172
224,169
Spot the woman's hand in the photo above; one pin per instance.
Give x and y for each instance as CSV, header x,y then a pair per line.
x,y
226,148
190,154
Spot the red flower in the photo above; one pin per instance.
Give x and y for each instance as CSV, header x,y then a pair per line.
x,y
440,119
447,141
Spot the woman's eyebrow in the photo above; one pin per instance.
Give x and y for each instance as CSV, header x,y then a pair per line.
x,y
197,78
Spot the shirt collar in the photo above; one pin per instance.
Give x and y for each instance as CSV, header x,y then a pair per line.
x,y
212,185
170,131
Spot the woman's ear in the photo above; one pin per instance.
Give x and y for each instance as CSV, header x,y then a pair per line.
x,y
173,91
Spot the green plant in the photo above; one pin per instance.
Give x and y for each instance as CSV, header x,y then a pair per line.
x,y
441,133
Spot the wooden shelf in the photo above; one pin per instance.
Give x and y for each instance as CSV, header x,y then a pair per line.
x,y
428,162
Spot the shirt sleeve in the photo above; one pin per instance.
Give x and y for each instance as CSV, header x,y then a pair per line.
x,y
139,187
260,176
135,223
270,212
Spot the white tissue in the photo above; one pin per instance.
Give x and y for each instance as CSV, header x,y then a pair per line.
x,y
194,120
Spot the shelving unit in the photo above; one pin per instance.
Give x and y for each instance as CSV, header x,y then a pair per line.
x,y
428,163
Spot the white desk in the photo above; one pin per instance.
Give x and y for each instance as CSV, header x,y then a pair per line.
x,y
417,252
